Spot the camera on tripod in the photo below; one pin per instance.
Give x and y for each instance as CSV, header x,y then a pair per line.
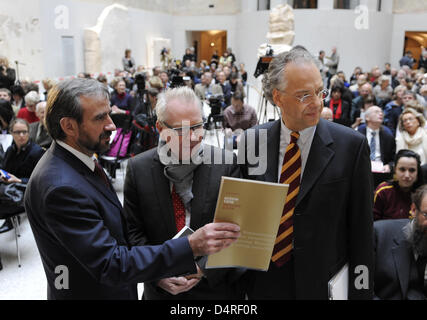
x,y
215,103
140,81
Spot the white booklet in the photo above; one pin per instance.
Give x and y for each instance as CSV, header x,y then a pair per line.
x,y
338,285
185,232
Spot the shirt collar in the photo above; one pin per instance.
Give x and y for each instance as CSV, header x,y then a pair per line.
x,y
370,130
88,161
305,134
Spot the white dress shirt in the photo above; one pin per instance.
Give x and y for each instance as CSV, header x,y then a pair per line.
x,y
304,143
88,161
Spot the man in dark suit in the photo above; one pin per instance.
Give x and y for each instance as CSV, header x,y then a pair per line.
x,y
327,220
155,184
381,142
77,219
38,131
401,254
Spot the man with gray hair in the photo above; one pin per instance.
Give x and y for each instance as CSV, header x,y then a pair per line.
x,y
327,219
401,254
174,186
77,219
38,131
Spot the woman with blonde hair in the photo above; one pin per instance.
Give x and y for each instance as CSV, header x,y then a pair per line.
x,y
7,75
413,135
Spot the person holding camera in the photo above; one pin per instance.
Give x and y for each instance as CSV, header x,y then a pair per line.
x,y
7,75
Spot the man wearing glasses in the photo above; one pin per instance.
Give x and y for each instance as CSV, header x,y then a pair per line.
x,y
174,186
401,254
327,219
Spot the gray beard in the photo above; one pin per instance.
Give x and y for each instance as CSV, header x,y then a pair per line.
x,y
416,237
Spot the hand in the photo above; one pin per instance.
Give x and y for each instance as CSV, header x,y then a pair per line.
x,y
115,109
12,179
213,237
176,285
387,168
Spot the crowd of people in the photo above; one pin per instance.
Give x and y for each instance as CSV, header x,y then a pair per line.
x,y
387,106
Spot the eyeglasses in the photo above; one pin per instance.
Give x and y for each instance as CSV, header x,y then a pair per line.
x,y
185,130
305,99
18,133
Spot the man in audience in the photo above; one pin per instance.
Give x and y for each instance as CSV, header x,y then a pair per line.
x,y
226,88
327,218
407,60
327,114
358,103
163,194
165,79
5,94
77,219
206,89
401,254
381,142
29,112
38,131
238,117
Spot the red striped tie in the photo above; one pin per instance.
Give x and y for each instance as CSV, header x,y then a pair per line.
x,y
291,174
178,209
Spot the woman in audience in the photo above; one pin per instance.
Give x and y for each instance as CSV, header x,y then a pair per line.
x,y
18,96
48,84
412,133
340,107
128,62
20,159
392,199
7,75
29,112
383,91
394,108
121,101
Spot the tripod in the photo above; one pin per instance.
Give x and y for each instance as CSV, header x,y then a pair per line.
x,y
263,108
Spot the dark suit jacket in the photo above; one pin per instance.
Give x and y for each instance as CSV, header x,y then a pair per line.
x,y
150,217
78,222
345,115
333,214
43,140
387,145
395,266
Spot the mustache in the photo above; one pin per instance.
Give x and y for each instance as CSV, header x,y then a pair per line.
x,y
105,134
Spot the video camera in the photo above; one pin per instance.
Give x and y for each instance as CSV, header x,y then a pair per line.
x,y
215,103
140,81
264,62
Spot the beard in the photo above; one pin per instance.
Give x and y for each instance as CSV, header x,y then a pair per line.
x,y
99,146
417,237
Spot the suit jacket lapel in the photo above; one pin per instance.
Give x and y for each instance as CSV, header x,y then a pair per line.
x,y
319,156
86,173
162,187
273,146
402,257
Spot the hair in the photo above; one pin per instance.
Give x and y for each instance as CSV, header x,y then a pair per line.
x,y
4,61
239,95
18,120
414,104
32,98
127,51
102,78
7,91
369,111
154,92
64,101
337,87
383,78
418,115
156,82
17,90
48,83
40,105
405,153
418,196
275,77
184,94
6,111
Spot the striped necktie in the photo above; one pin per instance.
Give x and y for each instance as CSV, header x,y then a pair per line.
x,y
291,174
373,146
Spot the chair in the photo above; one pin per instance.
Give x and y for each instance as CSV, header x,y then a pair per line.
x,y
113,162
14,216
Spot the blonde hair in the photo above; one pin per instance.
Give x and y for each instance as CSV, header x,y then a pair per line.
x,y
414,112
4,61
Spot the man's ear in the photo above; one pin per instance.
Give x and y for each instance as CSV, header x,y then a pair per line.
x,y
69,126
277,97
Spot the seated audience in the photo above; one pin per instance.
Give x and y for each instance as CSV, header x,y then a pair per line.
x,y
239,115
381,141
38,130
327,114
20,159
393,109
392,199
413,135
29,112
121,101
340,108
401,254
